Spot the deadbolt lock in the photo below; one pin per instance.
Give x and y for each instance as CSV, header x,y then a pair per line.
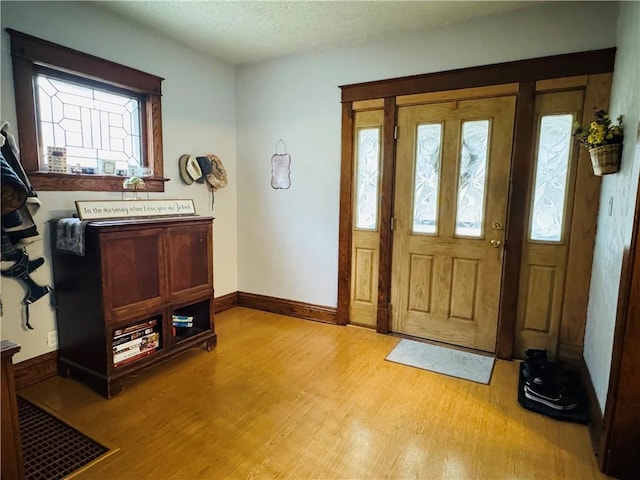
x,y
497,225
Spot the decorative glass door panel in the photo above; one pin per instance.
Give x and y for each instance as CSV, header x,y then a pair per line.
x,y
427,178
472,178
550,187
367,178
447,257
367,163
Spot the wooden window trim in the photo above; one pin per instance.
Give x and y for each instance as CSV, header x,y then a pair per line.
x,y
30,53
531,70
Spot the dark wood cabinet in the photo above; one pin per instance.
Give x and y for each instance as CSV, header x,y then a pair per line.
x,y
134,278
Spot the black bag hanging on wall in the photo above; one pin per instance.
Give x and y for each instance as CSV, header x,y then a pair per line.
x,y
19,200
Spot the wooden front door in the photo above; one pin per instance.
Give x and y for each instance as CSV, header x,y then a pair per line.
x,y
450,208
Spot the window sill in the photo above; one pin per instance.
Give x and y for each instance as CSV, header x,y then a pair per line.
x,y
61,182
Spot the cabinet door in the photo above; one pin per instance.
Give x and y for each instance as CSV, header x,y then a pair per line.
x,y
189,251
133,272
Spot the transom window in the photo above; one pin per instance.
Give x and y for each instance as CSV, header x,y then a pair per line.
x,y
84,123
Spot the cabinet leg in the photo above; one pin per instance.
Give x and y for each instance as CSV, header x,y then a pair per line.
x,y
113,389
210,345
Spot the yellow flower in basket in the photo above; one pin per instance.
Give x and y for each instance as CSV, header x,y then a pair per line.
x,y
600,131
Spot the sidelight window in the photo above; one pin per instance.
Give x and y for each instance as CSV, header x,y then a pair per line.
x,y
550,185
367,178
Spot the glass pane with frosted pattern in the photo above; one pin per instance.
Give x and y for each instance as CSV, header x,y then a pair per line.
x,y
92,124
473,178
427,178
552,166
367,176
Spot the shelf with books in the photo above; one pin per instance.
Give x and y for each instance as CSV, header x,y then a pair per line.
x,y
136,341
191,320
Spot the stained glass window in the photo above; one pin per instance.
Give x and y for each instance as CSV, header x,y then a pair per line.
x,y
473,178
368,174
427,178
552,164
92,124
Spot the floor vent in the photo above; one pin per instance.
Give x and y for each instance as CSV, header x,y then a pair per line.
x,y
51,448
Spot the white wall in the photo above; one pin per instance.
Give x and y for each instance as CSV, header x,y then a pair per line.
x,y
284,242
613,236
288,239
198,117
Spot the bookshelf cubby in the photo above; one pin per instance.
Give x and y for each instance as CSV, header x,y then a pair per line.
x,y
115,305
200,314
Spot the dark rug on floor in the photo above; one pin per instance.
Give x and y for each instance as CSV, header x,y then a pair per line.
x,y
51,448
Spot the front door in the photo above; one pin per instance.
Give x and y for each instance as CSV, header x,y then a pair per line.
x,y
450,208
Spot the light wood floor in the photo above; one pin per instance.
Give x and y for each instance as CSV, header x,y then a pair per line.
x,y
287,398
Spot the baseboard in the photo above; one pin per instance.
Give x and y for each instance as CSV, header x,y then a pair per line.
x,y
570,355
596,419
292,308
225,302
35,369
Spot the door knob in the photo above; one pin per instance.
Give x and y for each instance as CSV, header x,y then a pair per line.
x,y
496,243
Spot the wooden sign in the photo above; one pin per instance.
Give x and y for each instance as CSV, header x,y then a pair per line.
x,y
111,209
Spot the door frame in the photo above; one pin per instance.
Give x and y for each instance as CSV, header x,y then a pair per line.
x,y
528,74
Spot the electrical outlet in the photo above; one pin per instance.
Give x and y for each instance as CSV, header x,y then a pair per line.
x,y
52,338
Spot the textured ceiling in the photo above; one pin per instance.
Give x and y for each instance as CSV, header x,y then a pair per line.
x,y
239,32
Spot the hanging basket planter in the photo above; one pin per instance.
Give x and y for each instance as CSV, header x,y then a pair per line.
x,y
603,139
606,159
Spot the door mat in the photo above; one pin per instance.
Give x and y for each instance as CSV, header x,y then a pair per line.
x,y
52,449
448,361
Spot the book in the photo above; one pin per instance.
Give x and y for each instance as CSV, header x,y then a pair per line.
x,y
182,321
133,342
133,358
150,342
124,354
183,324
134,354
132,328
131,336
135,347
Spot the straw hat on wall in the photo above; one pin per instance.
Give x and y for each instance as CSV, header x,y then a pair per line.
x,y
213,171
190,170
